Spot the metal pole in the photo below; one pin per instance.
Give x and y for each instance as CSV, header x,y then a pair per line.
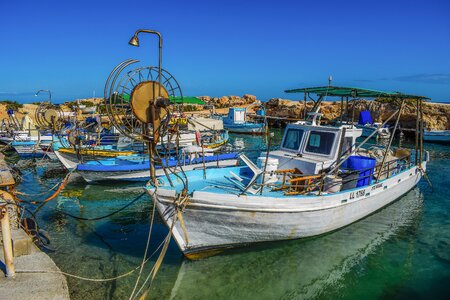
x,y
155,123
7,243
359,146
265,165
421,133
304,109
341,144
49,94
390,141
342,108
417,131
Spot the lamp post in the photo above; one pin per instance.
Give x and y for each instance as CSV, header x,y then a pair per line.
x,y
134,41
152,111
49,93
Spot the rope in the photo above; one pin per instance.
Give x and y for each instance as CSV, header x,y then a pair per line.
x,y
105,216
92,279
145,252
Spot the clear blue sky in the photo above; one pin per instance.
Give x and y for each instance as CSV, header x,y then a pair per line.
x,y
227,47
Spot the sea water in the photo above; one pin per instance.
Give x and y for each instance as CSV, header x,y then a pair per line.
x,y
400,252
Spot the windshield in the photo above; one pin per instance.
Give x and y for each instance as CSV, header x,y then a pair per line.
x,y
292,139
320,142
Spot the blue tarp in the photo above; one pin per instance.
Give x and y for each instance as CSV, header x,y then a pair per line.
x,y
365,118
146,165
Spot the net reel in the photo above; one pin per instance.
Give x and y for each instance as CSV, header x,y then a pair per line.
x,y
49,116
138,100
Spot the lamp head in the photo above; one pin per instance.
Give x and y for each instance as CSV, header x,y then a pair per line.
x,y
134,41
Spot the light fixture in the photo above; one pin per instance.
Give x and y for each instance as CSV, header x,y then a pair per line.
x,y
134,41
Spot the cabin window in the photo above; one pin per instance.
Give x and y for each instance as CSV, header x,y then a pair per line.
x,y
320,142
293,139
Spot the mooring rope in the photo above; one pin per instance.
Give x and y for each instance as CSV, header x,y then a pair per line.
x,y
105,216
146,249
88,278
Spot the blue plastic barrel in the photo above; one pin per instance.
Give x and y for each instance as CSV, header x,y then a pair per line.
x,y
260,112
365,165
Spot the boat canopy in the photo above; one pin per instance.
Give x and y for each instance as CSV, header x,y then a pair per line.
x,y
175,100
353,92
186,100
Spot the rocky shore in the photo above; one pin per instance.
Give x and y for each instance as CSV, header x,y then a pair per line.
x,y
436,115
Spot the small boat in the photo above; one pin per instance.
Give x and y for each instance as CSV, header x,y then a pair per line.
x,y
136,167
31,146
368,126
318,181
25,136
69,157
212,140
28,149
437,136
236,122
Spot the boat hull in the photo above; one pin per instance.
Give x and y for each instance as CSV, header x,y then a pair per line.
x,y
144,175
442,137
247,128
216,221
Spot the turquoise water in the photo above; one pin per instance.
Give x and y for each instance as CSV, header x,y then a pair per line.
x,y
402,251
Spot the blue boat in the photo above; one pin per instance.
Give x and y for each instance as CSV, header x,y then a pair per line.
x,y
236,122
136,167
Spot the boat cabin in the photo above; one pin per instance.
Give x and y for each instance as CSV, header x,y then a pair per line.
x,y
312,148
236,115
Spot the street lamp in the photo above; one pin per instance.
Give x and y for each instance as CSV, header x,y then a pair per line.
x,y
134,41
49,93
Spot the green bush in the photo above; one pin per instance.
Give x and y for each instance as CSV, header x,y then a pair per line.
x,y
12,104
87,103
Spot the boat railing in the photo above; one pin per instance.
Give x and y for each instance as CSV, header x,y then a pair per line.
x,y
293,182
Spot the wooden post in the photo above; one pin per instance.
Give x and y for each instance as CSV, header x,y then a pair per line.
x,y
346,110
7,243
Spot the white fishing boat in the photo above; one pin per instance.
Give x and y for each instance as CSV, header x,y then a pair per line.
x,y
328,260
437,136
317,182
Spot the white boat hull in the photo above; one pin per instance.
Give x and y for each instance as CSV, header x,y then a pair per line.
x,y
213,221
66,160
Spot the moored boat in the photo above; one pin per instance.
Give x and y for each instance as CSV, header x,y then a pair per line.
x,y
136,168
236,122
437,136
317,182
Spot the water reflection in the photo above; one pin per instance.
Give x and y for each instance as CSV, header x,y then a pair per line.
x,y
294,269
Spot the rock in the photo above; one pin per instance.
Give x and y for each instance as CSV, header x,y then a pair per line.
x,y
249,98
206,99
